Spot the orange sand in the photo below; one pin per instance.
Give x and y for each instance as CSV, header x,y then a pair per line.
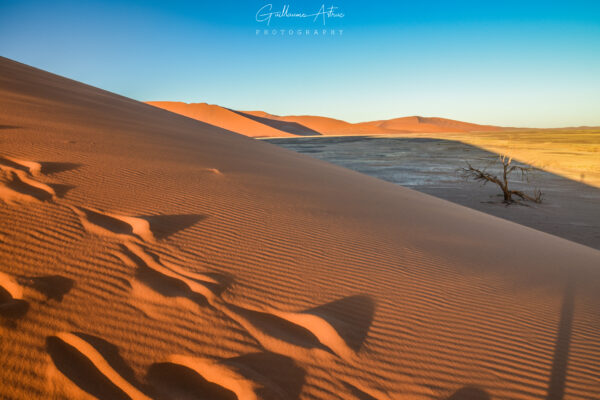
x,y
422,124
145,255
221,117
262,124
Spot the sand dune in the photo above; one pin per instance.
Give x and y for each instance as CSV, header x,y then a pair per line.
x,y
323,125
148,255
422,124
262,124
221,117
330,126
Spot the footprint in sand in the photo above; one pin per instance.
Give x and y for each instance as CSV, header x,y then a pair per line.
x,y
170,280
37,168
146,228
12,305
31,167
254,376
17,183
202,378
17,187
113,225
274,334
320,328
94,365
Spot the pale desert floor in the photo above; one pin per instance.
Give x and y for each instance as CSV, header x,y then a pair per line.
x,y
573,153
570,209
146,255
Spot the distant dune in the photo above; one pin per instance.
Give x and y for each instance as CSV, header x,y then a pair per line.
x,y
323,125
422,124
263,124
221,117
146,255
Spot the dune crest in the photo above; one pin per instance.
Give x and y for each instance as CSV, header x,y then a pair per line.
x,y
429,124
263,124
221,117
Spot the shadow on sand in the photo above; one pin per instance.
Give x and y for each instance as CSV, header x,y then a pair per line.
x,y
558,374
285,126
569,207
470,393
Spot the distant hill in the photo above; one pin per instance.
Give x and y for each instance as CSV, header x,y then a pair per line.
x,y
221,117
423,124
263,124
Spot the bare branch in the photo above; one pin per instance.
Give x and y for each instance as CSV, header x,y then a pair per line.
x,y
481,175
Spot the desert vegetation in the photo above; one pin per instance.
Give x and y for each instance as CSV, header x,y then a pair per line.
x,y
511,196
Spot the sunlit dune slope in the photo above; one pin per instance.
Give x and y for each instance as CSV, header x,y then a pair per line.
x,y
146,255
323,125
221,117
423,124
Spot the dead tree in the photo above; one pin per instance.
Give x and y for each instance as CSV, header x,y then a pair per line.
x,y
481,175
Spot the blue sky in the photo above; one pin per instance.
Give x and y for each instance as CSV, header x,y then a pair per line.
x,y
514,63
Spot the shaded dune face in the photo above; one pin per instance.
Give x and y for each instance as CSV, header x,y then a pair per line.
x,y
177,381
225,118
188,262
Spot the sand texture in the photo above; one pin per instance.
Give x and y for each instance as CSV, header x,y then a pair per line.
x,y
147,255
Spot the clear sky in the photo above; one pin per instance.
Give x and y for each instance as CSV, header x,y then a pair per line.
x,y
505,62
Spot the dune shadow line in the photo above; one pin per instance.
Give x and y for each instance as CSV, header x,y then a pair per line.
x,y
350,316
558,374
52,167
290,127
164,226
